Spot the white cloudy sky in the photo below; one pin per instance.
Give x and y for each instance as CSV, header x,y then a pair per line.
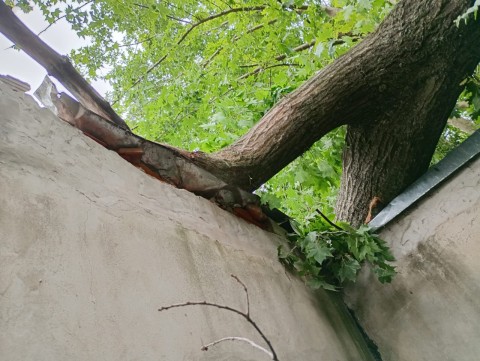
x,y
19,65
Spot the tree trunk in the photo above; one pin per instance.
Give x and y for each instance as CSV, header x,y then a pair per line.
x,y
390,150
395,90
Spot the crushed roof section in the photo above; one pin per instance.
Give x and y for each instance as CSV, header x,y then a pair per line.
x,y
167,164
433,178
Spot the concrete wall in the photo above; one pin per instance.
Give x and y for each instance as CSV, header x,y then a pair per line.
x,y
432,309
91,247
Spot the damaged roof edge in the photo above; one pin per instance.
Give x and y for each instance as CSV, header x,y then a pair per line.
x,y
14,83
435,176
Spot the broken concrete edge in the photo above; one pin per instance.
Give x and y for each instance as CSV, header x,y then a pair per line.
x,y
163,162
15,84
56,65
432,179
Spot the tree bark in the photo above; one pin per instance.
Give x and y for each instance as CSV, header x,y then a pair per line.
x,y
389,151
395,90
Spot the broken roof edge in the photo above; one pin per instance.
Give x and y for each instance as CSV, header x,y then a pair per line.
x,y
163,162
14,83
435,176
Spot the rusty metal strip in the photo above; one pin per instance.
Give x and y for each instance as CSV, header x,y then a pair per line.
x,y
160,161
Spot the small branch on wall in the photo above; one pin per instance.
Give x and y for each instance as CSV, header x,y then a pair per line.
x,y
245,314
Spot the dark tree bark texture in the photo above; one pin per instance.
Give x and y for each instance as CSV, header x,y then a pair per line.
x,y
428,59
395,90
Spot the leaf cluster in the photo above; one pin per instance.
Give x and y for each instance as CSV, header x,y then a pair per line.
x,y
329,256
466,109
311,181
471,95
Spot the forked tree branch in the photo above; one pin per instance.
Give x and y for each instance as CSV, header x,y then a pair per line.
x,y
213,17
245,315
62,17
218,15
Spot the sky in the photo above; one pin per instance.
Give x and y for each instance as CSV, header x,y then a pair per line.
x,y
59,36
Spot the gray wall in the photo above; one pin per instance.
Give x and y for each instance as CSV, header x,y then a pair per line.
x,y
432,309
90,248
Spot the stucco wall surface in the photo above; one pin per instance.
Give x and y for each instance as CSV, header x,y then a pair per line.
x,y
91,248
431,311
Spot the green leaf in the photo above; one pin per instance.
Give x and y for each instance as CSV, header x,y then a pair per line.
x,y
476,100
316,283
318,251
363,230
319,49
385,273
296,227
348,269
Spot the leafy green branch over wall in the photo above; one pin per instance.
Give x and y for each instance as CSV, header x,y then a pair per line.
x,y
329,255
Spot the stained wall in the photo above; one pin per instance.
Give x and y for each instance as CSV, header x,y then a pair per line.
x,y
431,311
91,248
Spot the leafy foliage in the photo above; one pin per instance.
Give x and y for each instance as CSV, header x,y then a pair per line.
x,y
329,256
199,74
467,110
310,182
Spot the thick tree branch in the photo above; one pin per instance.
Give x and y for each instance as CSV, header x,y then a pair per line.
x,y
56,65
159,161
429,59
364,88
395,90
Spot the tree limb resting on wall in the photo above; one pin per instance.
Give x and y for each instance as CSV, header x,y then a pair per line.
x,y
165,163
56,65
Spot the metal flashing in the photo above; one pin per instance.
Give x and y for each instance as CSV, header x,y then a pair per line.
x,y
435,176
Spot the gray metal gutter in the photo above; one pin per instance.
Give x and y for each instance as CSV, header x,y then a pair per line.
x,y
435,176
